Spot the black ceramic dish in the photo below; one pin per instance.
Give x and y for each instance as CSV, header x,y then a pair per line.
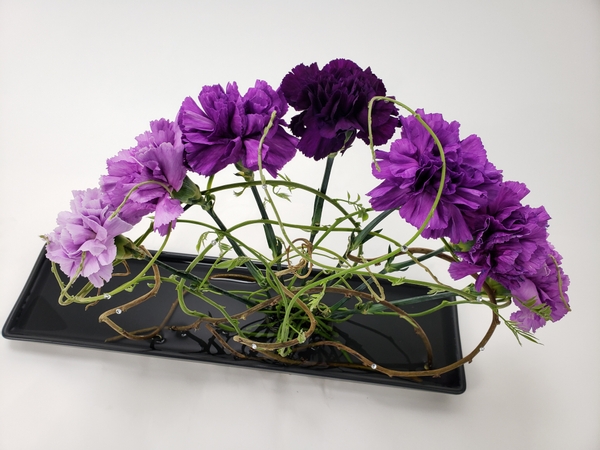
x,y
387,340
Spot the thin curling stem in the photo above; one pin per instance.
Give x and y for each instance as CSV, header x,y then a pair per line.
x,y
269,233
437,143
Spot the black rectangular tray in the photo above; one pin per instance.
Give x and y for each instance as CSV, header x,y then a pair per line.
x,y
387,340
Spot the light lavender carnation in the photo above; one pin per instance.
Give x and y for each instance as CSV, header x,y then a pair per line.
x,y
86,229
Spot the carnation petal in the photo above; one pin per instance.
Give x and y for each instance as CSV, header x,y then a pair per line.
x,y
167,212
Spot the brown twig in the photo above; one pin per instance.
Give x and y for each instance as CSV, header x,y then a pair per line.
x,y
296,268
153,330
104,317
267,350
289,343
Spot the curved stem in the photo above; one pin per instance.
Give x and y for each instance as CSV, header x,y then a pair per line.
x,y
288,184
437,143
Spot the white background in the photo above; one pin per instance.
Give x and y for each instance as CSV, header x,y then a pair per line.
x,y
80,79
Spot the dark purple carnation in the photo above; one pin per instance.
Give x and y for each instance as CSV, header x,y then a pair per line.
x,y
157,157
226,128
510,240
334,104
88,229
549,297
412,173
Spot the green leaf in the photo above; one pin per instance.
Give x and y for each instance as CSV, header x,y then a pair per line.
x,y
286,178
542,310
201,240
301,337
435,290
398,281
239,193
224,248
371,236
315,299
518,333
230,264
284,351
277,190
363,236
282,195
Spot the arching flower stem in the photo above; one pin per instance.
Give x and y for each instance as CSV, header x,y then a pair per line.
x,y
437,143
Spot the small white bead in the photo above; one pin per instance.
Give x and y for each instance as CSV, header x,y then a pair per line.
x,y
373,366
254,347
118,311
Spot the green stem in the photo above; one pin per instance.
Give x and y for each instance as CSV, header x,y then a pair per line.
x,y
254,271
268,228
319,201
143,237
211,287
364,233
203,297
411,301
410,262
288,184
135,188
388,269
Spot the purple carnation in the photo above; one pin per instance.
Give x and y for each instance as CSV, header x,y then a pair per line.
x,y
227,128
88,229
544,289
334,103
510,240
157,157
412,172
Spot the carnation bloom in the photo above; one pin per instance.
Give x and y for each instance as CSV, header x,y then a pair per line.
x,y
412,169
157,157
86,229
334,103
549,297
227,128
510,240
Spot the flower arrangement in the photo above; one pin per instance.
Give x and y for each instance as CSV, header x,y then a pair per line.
x,y
441,184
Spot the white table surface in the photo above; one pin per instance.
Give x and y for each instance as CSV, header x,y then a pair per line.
x,y
79,80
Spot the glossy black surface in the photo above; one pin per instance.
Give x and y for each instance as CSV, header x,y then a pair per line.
x,y
387,340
